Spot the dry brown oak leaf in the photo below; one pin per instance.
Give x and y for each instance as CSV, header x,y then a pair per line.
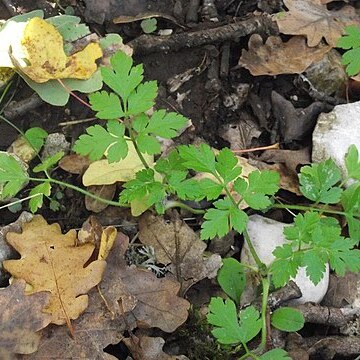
x,y
21,317
276,57
50,262
312,19
176,243
145,299
95,329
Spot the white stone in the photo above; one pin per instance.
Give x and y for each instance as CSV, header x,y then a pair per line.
x,y
335,132
266,235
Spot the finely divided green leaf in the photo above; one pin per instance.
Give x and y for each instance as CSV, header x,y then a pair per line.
x,y
260,184
49,162
143,98
287,319
200,158
275,354
226,165
98,141
221,219
352,163
12,176
106,104
36,202
123,78
318,182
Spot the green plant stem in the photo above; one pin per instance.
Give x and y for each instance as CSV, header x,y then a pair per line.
x,y
178,204
265,281
306,208
19,201
78,189
261,266
140,155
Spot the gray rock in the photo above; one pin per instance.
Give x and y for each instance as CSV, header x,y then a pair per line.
x,y
54,143
266,235
335,132
6,251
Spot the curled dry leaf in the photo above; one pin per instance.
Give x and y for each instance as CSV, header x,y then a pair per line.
x,y
276,57
50,261
176,243
149,348
148,300
312,19
21,317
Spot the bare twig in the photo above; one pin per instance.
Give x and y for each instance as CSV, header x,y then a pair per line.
x,y
146,44
22,107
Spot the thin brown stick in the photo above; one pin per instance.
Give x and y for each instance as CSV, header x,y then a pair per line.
x,y
261,148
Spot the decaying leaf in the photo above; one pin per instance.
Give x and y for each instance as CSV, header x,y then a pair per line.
x,y
312,19
277,57
108,237
74,163
102,173
176,243
149,348
94,330
46,58
21,317
148,300
104,191
50,261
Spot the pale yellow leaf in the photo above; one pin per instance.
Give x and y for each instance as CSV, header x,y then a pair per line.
x,y
102,173
108,237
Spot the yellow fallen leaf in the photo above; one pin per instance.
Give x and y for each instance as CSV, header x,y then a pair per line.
x,y
43,46
102,173
108,237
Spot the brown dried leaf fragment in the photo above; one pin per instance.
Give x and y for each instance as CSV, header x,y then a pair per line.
x,y
149,348
50,261
276,57
104,191
94,330
176,243
312,19
150,301
21,317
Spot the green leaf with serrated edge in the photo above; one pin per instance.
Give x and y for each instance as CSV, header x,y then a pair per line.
x,y
344,257
351,59
49,162
287,319
226,165
143,187
200,158
106,104
250,323
315,262
304,225
148,144
256,191
223,315
110,40
185,189
36,137
12,176
354,228
165,125
351,39
232,279
122,77
282,269
98,141
173,162
275,354
143,98
352,163
36,202
140,122
211,189
350,199
317,182
221,219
